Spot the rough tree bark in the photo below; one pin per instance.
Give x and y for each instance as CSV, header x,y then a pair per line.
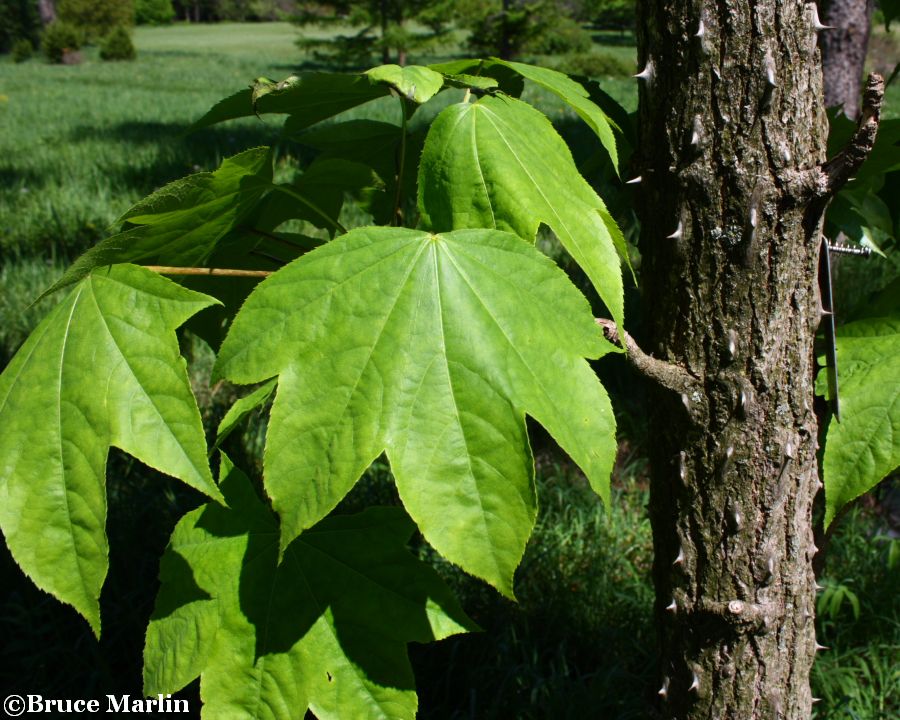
x,y
843,50
733,189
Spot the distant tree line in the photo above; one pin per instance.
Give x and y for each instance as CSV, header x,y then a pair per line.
x,y
386,28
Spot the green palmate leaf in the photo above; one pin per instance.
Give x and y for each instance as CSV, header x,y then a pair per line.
x,y
376,145
865,446
102,369
242,408
413,82
505,78
308,96
570,91
499,163
432,347
575,96
321,189
181,223
325,629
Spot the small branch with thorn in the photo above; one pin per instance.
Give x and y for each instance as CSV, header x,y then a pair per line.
x,y
841,167
668,375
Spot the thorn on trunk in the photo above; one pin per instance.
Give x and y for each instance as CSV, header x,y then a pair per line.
x,y
679,560
820,648
672,606
744,403
664,690
682,466
697,132
678,232
726,463
695,683
633,181
770,69
732,344
701,30
816,23
647,73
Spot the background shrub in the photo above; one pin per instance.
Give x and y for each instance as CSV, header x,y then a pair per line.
x,y
96,18
58,38
117,45
595,64
153,12
19,19
558,35
22,50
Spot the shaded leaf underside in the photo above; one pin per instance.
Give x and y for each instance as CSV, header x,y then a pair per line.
x,y
326,628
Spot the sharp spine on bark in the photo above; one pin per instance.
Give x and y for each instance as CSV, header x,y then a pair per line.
x,y
816,23
633,181
672,606
701,30
819,485
679,231
682,466
815,700
679,560
769,569
732,344
743,403
820,648
697,132
771,82
695,682
729,451
647,73
686,401
818,587
736,520
664,690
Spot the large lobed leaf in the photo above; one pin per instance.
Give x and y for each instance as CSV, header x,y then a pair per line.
x,y
310,97
498,163
181,223
325,629
570,91
432,347
102,369
865,446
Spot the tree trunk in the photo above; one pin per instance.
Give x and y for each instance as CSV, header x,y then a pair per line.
x,y
844,51
385,50
730,108
47,11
